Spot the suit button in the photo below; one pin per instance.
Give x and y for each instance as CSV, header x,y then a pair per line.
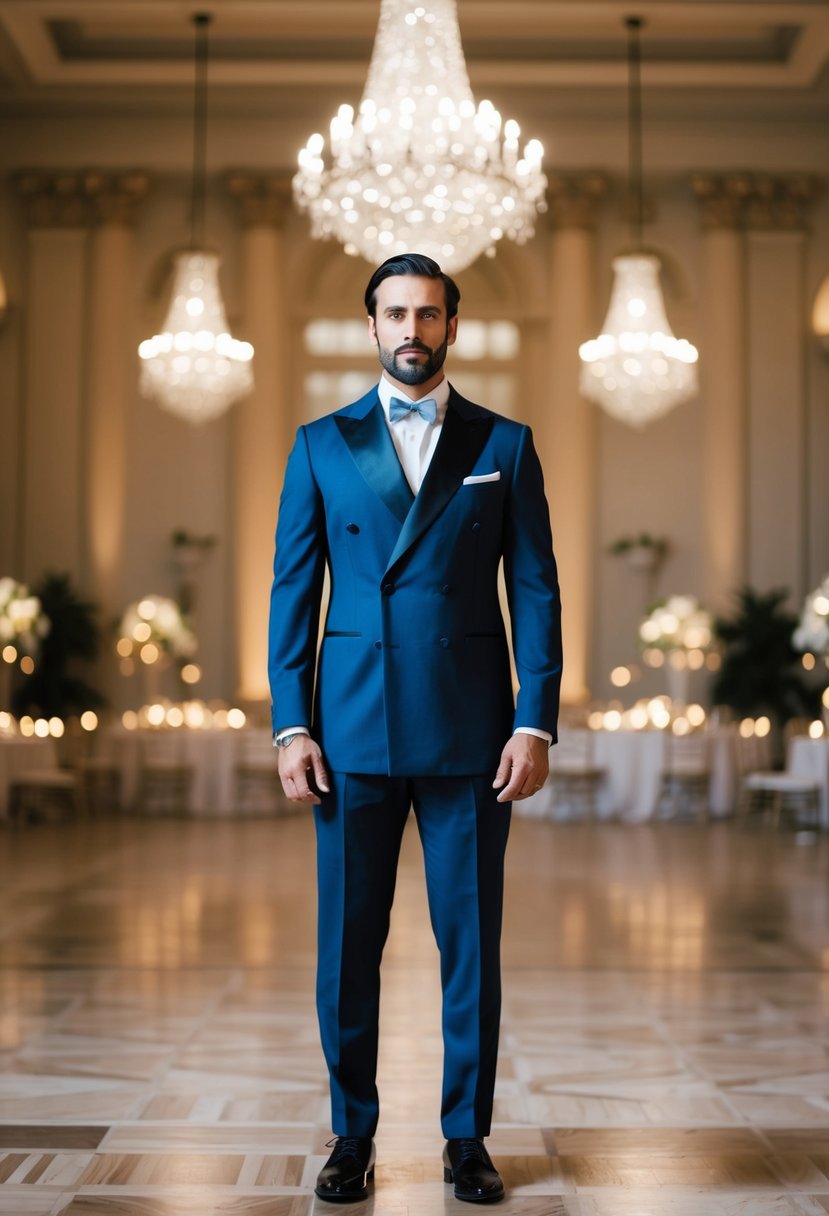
x,y
388,588
476,527
352,528
378,645
445,589
444,643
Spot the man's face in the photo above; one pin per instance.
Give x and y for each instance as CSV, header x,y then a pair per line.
x,y
411,329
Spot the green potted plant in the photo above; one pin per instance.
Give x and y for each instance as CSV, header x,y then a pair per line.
x,y
641,552
56,687
760,671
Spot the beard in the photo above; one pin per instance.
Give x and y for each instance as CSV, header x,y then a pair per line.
x,y
410,371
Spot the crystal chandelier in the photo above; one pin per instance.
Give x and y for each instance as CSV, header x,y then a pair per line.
x,y
194,368
636,369
420,168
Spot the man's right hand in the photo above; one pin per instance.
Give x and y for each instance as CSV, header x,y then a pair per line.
x,y
301,757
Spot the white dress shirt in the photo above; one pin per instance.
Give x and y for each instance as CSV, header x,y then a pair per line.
x,y
413,437
415,441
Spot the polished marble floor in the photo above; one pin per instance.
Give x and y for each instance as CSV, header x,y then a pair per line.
x,y
665,1047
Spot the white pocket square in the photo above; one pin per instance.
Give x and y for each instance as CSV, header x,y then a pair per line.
x,y
476,479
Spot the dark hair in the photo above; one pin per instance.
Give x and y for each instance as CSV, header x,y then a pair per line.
x,y
412,263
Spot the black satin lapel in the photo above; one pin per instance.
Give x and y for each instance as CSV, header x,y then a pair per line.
x,y
461,443
372,450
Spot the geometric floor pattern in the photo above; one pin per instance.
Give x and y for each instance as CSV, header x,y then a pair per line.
x,y
664,1047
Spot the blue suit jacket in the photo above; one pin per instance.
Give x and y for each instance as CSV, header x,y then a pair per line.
x,y
413,676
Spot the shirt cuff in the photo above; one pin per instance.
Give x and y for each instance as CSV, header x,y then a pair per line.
x,y
290,730
531,730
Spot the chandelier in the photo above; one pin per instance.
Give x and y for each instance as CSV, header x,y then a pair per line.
x,y
420,167
194,368
636,369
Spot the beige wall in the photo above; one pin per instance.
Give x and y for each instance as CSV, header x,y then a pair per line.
x,y
651,480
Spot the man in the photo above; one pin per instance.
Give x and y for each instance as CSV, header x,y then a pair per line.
x,y
411,497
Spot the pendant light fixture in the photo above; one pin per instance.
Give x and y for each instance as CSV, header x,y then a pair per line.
x,y
194,368
636,369
420,167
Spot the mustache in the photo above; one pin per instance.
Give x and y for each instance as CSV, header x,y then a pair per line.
x,y
426,350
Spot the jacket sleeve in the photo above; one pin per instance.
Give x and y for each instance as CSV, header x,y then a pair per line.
x,y
533,594
298,574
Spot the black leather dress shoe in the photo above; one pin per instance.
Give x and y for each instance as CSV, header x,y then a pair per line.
x,y
346,1174
469,1166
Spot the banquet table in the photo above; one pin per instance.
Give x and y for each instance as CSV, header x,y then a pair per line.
x,y
632,761
20,755
810,758
212,755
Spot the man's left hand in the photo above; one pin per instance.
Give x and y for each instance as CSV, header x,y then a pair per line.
x,y
524,767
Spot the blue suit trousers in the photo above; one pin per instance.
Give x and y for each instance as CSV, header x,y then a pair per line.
x,y
463,831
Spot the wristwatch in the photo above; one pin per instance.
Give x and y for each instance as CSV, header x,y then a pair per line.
x,y
286,739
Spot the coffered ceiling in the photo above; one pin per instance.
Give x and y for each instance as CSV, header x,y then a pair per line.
x,y
294,56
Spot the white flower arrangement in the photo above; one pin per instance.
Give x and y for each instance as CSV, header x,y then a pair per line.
x,y
23,623
677,623
152,624
812,633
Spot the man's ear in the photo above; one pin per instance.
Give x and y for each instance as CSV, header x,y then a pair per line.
x,y
372,332
452,330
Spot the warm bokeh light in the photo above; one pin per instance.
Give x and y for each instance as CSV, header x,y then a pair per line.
x,y
27,664
27,726
746,728
713,661
149,653
129,719
654,657
762,727
808,661
191,673
236,719
620,677
595,720
612,720
142,632
678,659
123,647
825,697
695,715
42,728
89,720
696,660
816,730
9,654
175,716
681,726
56,728
156,715
147,609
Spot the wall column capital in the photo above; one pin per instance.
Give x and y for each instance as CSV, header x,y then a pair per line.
x,y
264,199
58,199
114,198
573,198
758,201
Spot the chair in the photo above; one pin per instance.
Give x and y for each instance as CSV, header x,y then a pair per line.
x,y
43,794
257,788
574,776
685,778
165,779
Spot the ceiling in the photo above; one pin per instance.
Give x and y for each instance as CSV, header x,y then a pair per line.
x,y
268,56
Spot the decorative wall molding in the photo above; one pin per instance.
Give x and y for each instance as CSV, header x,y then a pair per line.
x,y
757,201
74,200
573,198
263,198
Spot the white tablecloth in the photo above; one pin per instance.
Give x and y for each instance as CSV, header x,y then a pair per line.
x,y
810,758
633,762
19,755
212,754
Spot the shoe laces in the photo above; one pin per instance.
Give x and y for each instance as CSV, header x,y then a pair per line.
x,y
471,1150
344,1146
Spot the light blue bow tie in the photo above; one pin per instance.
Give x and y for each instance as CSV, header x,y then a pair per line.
x,y
400,407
